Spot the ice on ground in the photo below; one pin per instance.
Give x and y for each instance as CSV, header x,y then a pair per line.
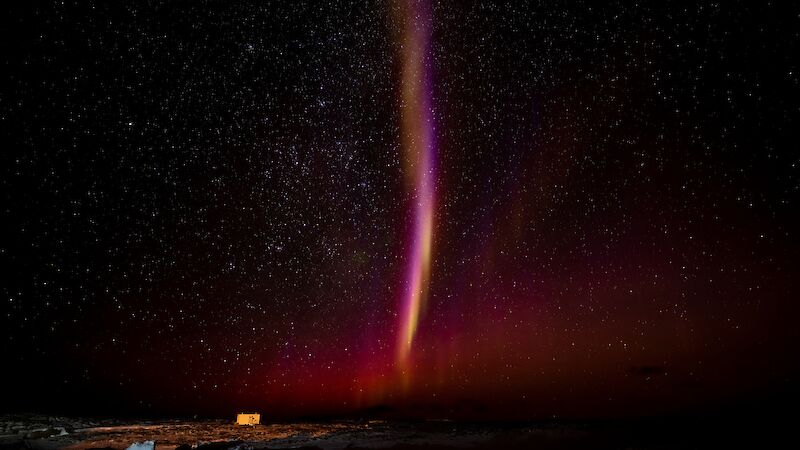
x,y
146,445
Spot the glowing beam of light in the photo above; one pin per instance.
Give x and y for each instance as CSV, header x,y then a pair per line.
x,y
419,151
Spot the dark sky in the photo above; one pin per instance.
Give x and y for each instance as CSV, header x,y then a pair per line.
x,y
206,207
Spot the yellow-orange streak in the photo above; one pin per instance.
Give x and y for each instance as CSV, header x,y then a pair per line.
x,y
418,147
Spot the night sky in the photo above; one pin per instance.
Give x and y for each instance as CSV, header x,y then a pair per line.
x,y
454,208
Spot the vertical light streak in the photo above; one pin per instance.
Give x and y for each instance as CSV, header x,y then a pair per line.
x,y
419,150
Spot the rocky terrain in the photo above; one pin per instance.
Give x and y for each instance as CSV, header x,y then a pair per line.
x,y
50,433
32,432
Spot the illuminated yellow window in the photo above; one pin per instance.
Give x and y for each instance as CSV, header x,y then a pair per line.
x,y
248,419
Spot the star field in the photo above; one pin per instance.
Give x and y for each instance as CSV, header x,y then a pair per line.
x,y
207,207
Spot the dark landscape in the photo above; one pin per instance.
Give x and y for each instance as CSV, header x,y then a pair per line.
x,y
44,433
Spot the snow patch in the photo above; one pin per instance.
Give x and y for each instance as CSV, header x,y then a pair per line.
x,y
146,445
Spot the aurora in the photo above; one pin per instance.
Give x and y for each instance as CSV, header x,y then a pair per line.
x,y
418,143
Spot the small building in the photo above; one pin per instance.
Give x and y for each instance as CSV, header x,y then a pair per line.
x,y
248,419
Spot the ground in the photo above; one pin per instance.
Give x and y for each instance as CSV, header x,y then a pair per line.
x,y
50,433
